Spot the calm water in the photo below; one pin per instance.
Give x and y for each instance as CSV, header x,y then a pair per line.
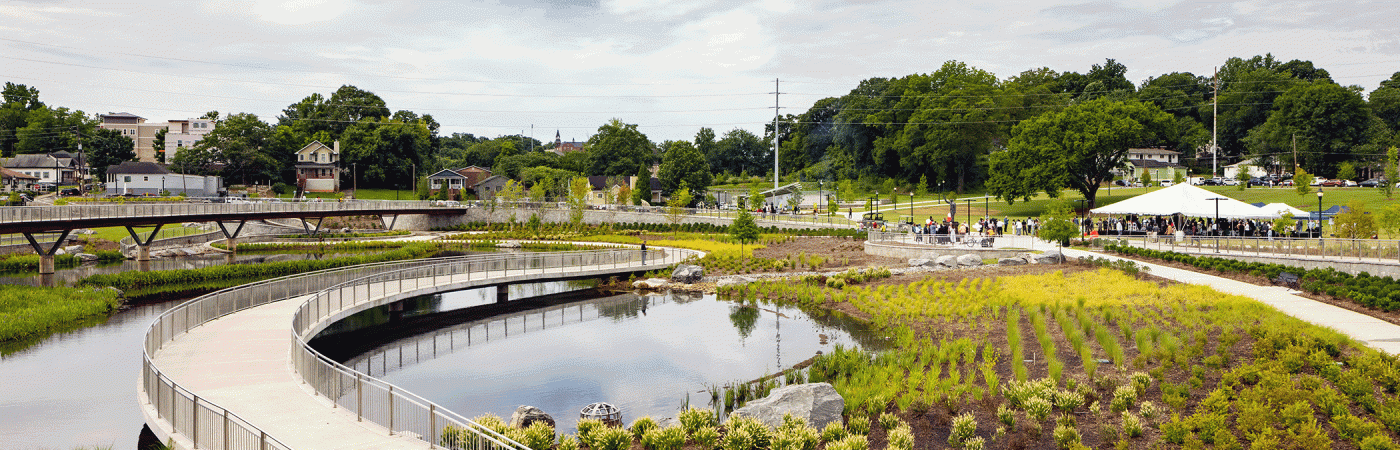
x,y
70,276
643,354
77,388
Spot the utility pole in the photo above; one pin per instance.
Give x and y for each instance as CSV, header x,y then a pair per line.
x,y
1295,153
1215,122
775,135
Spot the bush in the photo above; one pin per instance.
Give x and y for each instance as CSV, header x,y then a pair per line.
x,y
859,425
672,438
538,436
642,425
964,427
694,419
901,438
889,421
1066,436
609,438
705,437
1132,426
833,432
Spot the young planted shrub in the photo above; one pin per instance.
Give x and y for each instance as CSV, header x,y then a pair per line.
x,y
1066,436
609,438
833,432
901,438
1132,425
889,421
642,425
738,439
1123,398
705,437
853,442
1006,416
587,431
537,436
671,438
567,442
696,418
1038,408
859,425
964,427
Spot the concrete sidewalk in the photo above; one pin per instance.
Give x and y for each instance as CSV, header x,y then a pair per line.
x,y
1378,334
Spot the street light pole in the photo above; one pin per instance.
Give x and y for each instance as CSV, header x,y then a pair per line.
x,y
1319,216
1217,201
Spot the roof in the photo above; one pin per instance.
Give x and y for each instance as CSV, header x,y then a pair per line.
x,y
493,179
121,114
1151,164
655,184
33,160
315,145
783,190
7,173
1187,200
138,168
483,169
446,173
1153,151
600,182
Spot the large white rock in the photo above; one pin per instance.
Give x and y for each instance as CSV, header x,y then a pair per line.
x,y
969,260
948,261
526,415
651,283
1050,257
1011,262
916,262
688,274
818,403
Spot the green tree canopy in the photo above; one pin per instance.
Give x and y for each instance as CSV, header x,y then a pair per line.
x,y
618,149
108,148
684,165
1076,148
1328,121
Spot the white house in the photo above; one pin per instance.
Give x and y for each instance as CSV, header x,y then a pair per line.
x,y
142,178
318,167
1255,169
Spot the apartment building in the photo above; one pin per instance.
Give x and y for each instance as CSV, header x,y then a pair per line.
x,y
184,133
179,133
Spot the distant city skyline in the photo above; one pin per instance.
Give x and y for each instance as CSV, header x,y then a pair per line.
x,y
670,66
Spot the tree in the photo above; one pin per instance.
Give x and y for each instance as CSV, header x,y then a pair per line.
x,y
108,148
1284,222
1146,178
1385,101
676,205
511,193
641,186
744,229
1057,226
1077,148
1355,223
684,165
1391,175
159,144
578,200
617,149
1327,120
756,196
740,151
795,199
921,189
1346,171
1178,176
1302,181
1243,176
1388,219
241,142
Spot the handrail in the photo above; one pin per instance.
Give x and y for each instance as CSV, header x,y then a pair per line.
x,y
1339,249
393,407
223,429
12,214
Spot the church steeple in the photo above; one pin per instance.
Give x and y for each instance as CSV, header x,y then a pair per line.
x,y
557,141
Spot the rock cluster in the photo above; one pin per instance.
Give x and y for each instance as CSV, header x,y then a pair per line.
x,y
688,274
818,403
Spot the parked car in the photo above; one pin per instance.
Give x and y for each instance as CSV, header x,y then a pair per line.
x,y
1286,183
1374,182
1230,182
1331,183
1348,183
1165,183
69,191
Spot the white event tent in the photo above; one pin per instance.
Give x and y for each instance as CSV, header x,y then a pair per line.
x,y
1189,201
1282,208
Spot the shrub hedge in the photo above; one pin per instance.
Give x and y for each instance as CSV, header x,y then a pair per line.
x,y
132,280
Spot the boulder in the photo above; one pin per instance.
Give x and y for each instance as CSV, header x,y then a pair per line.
x,y
651,283
688,274
60,252
1050,257
87,257
73,249
948,261
818,403
1011,262
917,262
970,260
508,244
526,415
1026,256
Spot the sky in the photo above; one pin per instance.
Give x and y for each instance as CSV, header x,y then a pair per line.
x,y
537,67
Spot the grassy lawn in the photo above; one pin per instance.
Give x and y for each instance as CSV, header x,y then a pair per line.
x,y
115,234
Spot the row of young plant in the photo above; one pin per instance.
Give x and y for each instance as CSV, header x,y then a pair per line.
x,y
349,235
27,311
1107,349
174,278
28,262
1382,293
696,429
734,262
314,246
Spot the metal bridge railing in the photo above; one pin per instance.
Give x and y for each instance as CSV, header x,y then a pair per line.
x,y
1376,250
403,412
206,423
14,214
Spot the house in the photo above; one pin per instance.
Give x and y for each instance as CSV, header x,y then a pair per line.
x,y
1255,169
318,167
603,190
148,178
183,134
52,169
488,189
1155,154
562,148
458,180
11,181
655,185
1159,171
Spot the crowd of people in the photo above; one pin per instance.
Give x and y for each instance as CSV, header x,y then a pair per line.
x,y
1134,225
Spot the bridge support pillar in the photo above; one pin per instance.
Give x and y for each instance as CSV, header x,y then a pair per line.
x,y
46,254
502,293
396,311
143,246
230,238
231,244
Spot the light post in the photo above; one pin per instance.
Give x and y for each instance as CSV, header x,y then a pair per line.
x,y
1082,228
354,177
969,214
1319,216
894,202
911,207
820,210
1217,201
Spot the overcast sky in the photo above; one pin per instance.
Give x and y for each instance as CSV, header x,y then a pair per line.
x,y
671,66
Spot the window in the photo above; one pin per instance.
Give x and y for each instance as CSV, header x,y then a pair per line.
x,y
46,175
145,178
126,179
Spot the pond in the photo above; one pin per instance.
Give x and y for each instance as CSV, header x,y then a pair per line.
x,y
76,388
646,354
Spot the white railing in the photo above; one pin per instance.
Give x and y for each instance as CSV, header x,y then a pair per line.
x,y
1378,250
402,412
13,214
18,239
205,423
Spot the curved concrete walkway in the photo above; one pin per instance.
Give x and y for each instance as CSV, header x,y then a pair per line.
x,y
242,362
1377,333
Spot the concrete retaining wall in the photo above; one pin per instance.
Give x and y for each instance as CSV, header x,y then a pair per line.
x,y
592,217
911,251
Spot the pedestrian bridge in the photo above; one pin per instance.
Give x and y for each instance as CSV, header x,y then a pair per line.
x,y
232,369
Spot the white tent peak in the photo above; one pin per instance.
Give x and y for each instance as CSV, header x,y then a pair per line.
x,y
1187,200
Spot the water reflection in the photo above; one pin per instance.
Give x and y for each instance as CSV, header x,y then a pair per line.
x,y
645,354
76,388
72,275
